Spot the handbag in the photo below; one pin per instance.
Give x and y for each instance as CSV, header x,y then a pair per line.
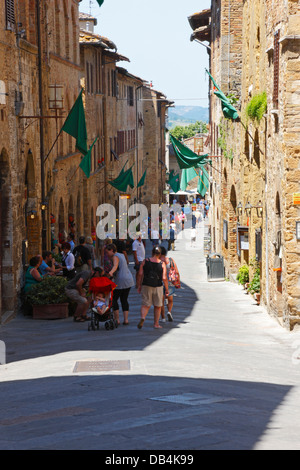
x,y
174,275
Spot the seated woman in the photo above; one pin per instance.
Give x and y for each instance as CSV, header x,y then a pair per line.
x,y
32,275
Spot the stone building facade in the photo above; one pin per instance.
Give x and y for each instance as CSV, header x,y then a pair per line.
x,y
254,192
46,59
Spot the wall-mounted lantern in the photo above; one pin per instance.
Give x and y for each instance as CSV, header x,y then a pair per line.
x,y
248,208
298,230
32,214
239,209
259,209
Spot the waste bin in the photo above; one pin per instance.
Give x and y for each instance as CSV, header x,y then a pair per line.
x,y
215,267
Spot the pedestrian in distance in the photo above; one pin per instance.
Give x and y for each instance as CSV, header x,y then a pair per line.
x,y
138,250
193,237
171,240
152,276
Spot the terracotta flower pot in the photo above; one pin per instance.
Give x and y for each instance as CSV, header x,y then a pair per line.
x,y
50,311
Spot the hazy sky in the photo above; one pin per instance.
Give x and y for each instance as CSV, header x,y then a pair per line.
x,y
155,36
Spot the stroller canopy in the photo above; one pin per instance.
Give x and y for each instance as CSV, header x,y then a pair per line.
x,y
101,284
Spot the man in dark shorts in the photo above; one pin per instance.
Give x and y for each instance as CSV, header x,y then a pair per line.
x,y
75,290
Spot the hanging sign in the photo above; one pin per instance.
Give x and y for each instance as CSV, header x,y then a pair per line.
x,y
296,199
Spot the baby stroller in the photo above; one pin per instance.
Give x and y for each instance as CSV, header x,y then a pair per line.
x,y
104,286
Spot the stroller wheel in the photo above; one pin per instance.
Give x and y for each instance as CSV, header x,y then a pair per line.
x,y
111,325
106,324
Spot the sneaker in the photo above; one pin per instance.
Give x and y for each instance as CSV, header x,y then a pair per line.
x,y
162,320
170,318
95,310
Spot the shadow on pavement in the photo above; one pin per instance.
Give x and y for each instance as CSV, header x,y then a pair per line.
x,y
26,338
135,412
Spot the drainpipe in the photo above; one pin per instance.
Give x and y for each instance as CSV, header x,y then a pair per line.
x,y
138,193
39,39
266,217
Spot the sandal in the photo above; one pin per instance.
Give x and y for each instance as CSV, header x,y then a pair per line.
x,y
140,324
78,319
125,323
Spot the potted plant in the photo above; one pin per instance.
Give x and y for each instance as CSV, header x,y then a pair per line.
x,y
254,286
243,275
48,298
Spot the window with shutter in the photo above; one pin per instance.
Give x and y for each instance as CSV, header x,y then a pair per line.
x,y
276,69
10,14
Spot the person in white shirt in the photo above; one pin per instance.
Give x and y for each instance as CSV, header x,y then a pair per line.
x,y
68,261
138,250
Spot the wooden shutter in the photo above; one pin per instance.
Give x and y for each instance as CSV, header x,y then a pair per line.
x,y
10,14
276,70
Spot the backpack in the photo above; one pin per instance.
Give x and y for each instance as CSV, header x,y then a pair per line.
x,y
78,259
173,275
152,278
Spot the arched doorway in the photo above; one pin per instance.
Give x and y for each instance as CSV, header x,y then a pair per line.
x,y
61,222
6,232
78,216
71,216
30,209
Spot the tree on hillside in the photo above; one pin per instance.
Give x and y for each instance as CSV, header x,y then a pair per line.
x,y
184,132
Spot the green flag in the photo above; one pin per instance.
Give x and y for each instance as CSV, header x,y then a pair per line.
x,y
124,180
75,125
85,164
186,158
100,2
228,110
187,175
203,182
174,182
142,180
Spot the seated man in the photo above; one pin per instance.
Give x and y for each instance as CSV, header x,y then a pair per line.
x,y
47,266
75,290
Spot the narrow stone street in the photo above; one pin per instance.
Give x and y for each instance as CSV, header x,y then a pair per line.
x,y
223,375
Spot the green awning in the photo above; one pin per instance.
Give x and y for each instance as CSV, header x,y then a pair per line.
x,y
186,158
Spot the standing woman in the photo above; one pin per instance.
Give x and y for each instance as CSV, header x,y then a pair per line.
x,y
124,280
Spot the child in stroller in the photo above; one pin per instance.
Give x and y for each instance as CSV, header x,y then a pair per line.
x,y
101,289
100,306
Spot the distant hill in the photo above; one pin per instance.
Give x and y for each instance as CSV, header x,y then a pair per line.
x,y
185,115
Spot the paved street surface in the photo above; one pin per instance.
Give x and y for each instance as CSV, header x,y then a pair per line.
x,y
223,375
